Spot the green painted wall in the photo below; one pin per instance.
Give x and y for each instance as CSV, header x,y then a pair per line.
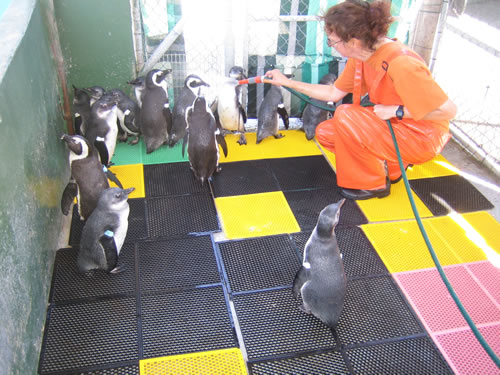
x,y
33,173
96,40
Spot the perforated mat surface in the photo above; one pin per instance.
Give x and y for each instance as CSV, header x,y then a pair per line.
x,y
208,272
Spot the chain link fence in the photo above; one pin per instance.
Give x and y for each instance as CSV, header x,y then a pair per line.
x,y
467,66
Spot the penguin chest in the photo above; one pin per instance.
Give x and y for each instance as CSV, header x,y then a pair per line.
x,y
229,113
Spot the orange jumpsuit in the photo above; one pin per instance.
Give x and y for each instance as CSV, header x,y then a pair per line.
x,y
361,141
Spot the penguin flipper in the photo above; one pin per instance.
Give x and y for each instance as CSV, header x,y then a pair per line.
x,y
111,176
243,113
168,118
69,194
221,141
284,115
77,124
103,151
108,244
300,278
184,143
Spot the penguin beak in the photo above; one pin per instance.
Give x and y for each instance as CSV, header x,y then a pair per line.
x,y
129,190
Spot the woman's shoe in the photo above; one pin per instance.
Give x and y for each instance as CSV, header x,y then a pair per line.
x,y
356,194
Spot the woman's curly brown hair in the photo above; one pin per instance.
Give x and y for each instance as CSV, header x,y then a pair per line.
x,y
363,20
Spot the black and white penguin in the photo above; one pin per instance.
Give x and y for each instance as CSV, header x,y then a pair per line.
x,y
203,138
102,131
185,100
155,114
267,117
104,232
81,110
312,115
88,178
96,93
128,115
230,112
139,85
321,279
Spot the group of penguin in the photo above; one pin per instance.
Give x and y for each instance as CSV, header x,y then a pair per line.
x,y
101,117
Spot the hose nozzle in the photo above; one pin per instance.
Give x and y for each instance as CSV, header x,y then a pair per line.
x,y
252,80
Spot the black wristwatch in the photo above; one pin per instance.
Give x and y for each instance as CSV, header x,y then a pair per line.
x,y
400,112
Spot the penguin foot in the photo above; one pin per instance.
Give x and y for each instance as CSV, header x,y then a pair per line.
x,y
117,269
134,141
242,140
304,309
278,136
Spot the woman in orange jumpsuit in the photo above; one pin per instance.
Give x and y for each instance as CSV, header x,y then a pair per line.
x,y
398,83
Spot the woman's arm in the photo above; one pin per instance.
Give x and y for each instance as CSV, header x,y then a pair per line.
x,y
328,93
446,111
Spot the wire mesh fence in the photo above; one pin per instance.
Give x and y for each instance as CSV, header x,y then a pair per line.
x,y
467,66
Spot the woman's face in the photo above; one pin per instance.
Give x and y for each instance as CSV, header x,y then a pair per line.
x,y
344,48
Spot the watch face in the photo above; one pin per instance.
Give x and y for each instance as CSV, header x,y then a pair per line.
x,y
400,112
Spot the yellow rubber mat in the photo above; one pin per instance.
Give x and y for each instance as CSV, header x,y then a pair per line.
x,y
255,215
437,167
223,362
131,175
294,143
330,156
394,207
402,247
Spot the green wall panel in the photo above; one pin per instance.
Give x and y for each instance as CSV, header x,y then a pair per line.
x,y
33,173
97,44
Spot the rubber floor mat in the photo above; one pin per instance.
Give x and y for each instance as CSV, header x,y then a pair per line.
x,y
172,179
163,154
68,284
402,247
386,314
130,176
177,263
455,190
396,206
217,362
88,334
259,263
307,204
312,364
265,214
198,320
307,172
436,167
127,154
410,356
244,177
181,215
272,325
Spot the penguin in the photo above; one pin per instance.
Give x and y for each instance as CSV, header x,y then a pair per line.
x,y
104,232
102,131
312,115
139,85
230,113
267,116
155,115
88,180
321,279
202,138
81,110
128,115
186,98
96,93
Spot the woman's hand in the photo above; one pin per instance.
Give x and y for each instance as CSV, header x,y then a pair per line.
x,y
276,78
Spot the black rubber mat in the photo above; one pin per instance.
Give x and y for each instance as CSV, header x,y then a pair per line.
x,y
136,222
307,204
455,190
128,370
272,325
359,257
314,364
181,215
177,263
385,313
410,356
89,334
171,179
184,322
259,263
244,177
69,284
305,172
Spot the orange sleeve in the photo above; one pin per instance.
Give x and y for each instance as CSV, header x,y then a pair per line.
x,y
345,82
415,86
